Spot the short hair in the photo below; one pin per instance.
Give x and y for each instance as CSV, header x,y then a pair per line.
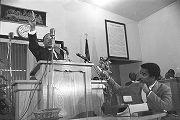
x,y
45,36
153,69
171,71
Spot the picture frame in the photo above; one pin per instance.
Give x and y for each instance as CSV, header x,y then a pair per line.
x,y
21,15
116,37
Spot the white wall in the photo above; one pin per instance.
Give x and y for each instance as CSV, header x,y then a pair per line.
x,y
160,37
159,33
71,20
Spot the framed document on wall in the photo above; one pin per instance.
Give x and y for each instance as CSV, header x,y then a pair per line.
x,y
117,46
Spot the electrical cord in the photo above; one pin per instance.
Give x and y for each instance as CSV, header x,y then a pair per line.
x,y
31,95
33,109
33,92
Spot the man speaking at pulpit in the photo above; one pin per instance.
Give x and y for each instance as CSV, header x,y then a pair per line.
x,y
42,53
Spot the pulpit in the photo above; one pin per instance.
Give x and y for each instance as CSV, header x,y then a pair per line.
x,y
64,85
26,94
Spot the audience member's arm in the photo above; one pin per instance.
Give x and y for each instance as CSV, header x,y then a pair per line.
x,y
118,89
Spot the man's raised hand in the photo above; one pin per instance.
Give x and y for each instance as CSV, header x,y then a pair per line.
x,y
32,22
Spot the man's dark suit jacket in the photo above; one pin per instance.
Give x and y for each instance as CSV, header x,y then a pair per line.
x,y
40,52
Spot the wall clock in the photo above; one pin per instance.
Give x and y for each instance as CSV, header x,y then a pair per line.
x,y
23,31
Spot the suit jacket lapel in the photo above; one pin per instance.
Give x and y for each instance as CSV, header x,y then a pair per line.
x,y
59,56
156,87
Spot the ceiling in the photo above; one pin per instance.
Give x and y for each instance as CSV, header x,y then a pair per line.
x,y
135,9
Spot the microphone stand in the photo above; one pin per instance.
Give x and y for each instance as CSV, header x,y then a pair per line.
x,y
65,52
9,52
83,57
50,83
11,36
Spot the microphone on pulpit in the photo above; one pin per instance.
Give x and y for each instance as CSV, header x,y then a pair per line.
x,y
65,48
65,51
52,34
83,57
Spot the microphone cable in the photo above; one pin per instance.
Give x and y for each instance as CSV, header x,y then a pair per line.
x,y
31,95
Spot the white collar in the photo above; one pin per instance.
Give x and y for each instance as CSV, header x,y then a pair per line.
x,y
49,49
151,86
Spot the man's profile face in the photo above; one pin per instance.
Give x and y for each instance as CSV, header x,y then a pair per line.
x,y
144,75
47,40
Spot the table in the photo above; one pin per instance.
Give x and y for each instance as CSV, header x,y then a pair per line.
x,y
148,117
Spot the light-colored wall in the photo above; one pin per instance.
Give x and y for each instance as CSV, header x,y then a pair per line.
x,y
159,41
71,20
160,37
159,33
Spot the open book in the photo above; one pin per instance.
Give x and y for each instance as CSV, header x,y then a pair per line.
x,y
131,109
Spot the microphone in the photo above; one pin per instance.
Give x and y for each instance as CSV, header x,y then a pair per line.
x,y
11,35
83,57
52,35
67,52
52,32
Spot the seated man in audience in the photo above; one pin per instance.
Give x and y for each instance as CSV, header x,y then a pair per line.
x,y
158,96
132,77
170,74
41,53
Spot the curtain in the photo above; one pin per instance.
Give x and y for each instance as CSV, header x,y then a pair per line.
x,y
16,62
13,60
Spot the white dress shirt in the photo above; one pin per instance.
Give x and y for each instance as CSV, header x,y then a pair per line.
x,y
143,94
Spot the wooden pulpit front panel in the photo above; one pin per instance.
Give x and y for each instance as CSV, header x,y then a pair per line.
x,y
69,87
